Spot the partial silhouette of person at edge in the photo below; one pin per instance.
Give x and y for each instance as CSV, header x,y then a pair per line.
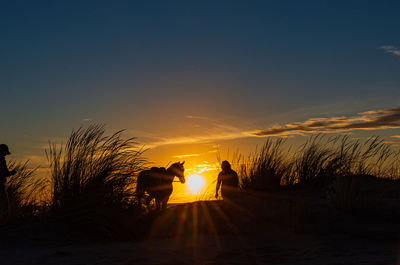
x,y
228,180
4,174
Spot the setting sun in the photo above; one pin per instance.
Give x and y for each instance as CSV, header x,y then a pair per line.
x,y
195,183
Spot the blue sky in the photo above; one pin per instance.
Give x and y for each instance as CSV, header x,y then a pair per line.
x,y
188,72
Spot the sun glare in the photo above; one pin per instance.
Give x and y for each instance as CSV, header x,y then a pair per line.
x,y
195,183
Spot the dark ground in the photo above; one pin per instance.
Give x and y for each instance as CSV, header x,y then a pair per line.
x,y
259,229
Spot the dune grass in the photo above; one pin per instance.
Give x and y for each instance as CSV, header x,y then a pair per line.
x,y
317,161
347,172
93,169
265,169
27,193
92,181
90,185
321,158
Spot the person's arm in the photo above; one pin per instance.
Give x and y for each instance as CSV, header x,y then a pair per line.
x,y
4,170
235,175
218,185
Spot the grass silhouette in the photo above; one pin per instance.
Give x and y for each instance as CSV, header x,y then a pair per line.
x,y
267,167
94,169
28,194
93,179
351,174
316,162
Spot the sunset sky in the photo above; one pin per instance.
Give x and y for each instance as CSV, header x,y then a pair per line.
x,y
188,78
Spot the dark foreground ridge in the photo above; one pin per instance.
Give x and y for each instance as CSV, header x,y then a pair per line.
x,y
269,228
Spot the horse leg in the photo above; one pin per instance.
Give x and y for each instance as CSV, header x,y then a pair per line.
x,y
164,204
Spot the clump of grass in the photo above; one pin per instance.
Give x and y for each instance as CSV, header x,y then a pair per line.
x,y
320,159
90,185
352,174
94,169
27,192
316,163
92,179
265,169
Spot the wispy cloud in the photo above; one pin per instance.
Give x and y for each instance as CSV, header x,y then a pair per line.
x,y
369,120
206,166
391,49
198,129
396,140
186,156
196,117
196,139
196,154
212,130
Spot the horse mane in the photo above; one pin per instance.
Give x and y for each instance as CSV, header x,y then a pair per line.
x,y
163,170
174,165
160,170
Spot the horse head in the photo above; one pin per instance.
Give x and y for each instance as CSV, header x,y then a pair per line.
x,y
178,170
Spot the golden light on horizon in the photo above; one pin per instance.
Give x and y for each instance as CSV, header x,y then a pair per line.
x,y
195,183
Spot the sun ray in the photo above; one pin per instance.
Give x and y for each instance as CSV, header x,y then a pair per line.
x,y
210,222
195,223
225,217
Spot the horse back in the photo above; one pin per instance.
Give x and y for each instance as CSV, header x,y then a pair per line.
x,y
155,182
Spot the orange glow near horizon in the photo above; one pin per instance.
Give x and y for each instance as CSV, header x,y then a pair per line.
x,y
200,177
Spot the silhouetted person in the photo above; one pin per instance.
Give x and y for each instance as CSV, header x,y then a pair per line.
x,y
228,180
4,173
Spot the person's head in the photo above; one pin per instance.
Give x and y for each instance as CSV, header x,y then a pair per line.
x,y
225,166
4,150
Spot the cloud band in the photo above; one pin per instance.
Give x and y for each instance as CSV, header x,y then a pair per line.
x,y
370,120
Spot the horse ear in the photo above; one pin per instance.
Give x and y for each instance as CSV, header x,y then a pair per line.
x,y
183,163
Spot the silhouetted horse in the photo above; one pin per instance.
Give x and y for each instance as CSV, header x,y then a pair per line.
x,y
157,182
